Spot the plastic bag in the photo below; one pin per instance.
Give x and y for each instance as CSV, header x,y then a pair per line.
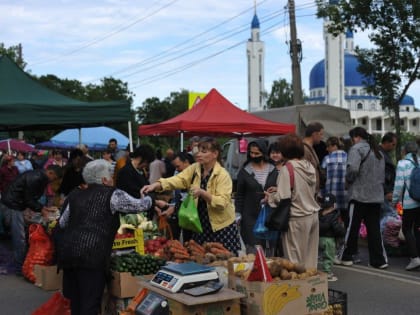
x,y
41,251
188,215
56,305
260,230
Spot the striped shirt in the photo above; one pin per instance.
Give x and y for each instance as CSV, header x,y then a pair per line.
x,y
402,181
335,166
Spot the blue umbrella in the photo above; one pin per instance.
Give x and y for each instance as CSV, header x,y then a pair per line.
x,y
96,138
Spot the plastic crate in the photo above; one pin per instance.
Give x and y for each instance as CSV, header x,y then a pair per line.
x,y
337,302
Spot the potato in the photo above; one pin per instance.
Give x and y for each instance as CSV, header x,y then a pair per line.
x,y
300,268
285,275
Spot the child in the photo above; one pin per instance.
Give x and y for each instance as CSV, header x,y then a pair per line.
x,y
330,227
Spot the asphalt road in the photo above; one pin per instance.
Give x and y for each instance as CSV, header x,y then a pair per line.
x,y
379,292
369,291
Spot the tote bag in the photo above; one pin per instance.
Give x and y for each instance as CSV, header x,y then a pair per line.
x,y
188,215
278,219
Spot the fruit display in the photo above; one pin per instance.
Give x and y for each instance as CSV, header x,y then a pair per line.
x,y
136,264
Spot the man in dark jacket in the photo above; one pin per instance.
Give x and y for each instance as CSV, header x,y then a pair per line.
x,y
388,144
24,193
85,235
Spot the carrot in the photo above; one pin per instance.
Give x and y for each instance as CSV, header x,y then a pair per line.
x,y
197,248
219,251
175,243
182,256
175,250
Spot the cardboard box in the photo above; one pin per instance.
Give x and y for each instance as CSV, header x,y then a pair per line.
x,y
285,297
224,302
124,285
47,278
231,307
238,266
136,242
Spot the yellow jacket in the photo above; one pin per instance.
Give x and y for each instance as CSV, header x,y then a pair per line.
x,y
221,210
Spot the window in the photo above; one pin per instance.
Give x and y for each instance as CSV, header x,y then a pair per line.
x,y
364,121
359,106
414,122
354,92
378,124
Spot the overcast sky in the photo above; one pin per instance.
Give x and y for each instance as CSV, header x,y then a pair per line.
x,y
162,46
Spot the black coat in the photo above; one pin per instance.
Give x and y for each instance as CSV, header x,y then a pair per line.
x,y
131,180
25,191
330,224
247,200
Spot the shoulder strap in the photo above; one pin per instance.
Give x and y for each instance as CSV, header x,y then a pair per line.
x,y
364,159
292,174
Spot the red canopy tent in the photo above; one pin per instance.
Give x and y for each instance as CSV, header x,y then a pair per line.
x,y
215,115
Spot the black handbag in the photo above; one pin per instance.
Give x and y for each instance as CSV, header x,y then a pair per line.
x,y
278,219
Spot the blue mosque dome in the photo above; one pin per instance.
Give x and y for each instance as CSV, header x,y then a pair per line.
x,y
255,22
407,100
351,76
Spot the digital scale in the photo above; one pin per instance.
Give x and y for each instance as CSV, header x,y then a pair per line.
x,y
153,304
177,277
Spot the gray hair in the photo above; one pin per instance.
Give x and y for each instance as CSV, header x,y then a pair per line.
x,y
95,171
411,147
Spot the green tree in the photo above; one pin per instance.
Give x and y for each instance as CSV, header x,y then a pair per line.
x,y
394,30
67,87
14,53
281,94
153,111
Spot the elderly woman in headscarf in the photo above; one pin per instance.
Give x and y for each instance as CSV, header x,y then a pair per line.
x,y
256,176
85,234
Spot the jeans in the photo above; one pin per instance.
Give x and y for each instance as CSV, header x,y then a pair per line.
x,y
18,233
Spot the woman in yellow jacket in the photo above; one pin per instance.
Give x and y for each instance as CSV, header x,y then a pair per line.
x,y
211,185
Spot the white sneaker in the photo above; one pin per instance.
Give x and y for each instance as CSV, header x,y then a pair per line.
x,y
332,277
347,262
414,264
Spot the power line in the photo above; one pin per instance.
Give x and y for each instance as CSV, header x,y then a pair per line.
x,y
201,47
177,47
163,75
100,39
172,72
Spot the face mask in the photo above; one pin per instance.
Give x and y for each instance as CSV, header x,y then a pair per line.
x,y
257,159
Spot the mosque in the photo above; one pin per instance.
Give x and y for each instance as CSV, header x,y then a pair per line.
x,y
334,81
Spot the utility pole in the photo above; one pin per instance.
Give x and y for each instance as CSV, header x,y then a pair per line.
x,y
296,55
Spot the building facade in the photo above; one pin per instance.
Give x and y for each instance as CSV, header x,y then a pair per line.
x,y
336,81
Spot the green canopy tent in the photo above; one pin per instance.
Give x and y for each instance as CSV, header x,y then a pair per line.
x,y
27,105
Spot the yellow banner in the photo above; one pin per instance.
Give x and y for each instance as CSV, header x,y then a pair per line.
x,y
194,98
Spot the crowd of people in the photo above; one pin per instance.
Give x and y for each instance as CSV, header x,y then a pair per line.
x,y
332,189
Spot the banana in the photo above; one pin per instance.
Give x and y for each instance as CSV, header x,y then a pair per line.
x,y
277,296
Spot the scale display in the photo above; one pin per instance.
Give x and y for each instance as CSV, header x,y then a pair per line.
x,y
176,277
153,304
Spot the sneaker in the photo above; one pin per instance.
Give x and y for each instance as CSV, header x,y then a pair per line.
x,y
337,261
347,262
384,266
332,277
414,264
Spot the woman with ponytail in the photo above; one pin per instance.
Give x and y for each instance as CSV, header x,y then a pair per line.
x,y
365,177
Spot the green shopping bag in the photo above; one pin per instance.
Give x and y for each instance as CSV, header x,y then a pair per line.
x,y
188,215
